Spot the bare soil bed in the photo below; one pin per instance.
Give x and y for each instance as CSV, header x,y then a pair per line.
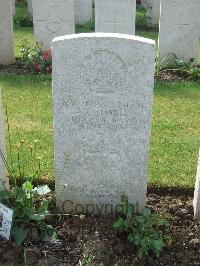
x,y
164,75
95,236
15,68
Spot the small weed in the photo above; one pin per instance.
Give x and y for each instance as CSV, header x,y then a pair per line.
x,y
87,261
17,167
147,231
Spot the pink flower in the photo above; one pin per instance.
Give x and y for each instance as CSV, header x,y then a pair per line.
x,y
47,55
37,67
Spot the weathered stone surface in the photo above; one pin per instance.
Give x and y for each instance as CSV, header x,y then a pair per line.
x,y
103,87
83,11
115,16
3,179
52,19
6,32
196,201
179,29
153,12
30,7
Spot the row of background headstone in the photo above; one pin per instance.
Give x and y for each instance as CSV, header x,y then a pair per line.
x,y
179,30
83,10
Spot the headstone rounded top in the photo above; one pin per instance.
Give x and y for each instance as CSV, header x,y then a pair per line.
x,y
104,35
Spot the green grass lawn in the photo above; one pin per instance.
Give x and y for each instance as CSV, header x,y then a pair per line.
x,y
175,133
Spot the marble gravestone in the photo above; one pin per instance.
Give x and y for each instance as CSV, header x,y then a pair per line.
x,y
3,180
103,89
51,19
153,12
179,35
6,32
196,201
115,16
82,11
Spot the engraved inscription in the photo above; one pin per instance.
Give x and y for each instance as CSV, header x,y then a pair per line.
x,y
111,117
103,71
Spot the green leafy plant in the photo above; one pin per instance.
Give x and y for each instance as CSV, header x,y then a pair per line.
x,y
87,261
35,58
23,20
87,27
29,215
171,63
194,73
141,18
147,231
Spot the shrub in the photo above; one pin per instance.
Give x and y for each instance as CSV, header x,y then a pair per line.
x,y
35,58
141,18
147,231
23,21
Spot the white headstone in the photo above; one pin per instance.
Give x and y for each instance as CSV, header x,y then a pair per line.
x,y
30,7
153,12
179,32
51,19
3,179
83,11
6,32
102,119
115,16
196,201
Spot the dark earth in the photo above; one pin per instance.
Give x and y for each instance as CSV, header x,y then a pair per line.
x,y
82,236
20,69
16,68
